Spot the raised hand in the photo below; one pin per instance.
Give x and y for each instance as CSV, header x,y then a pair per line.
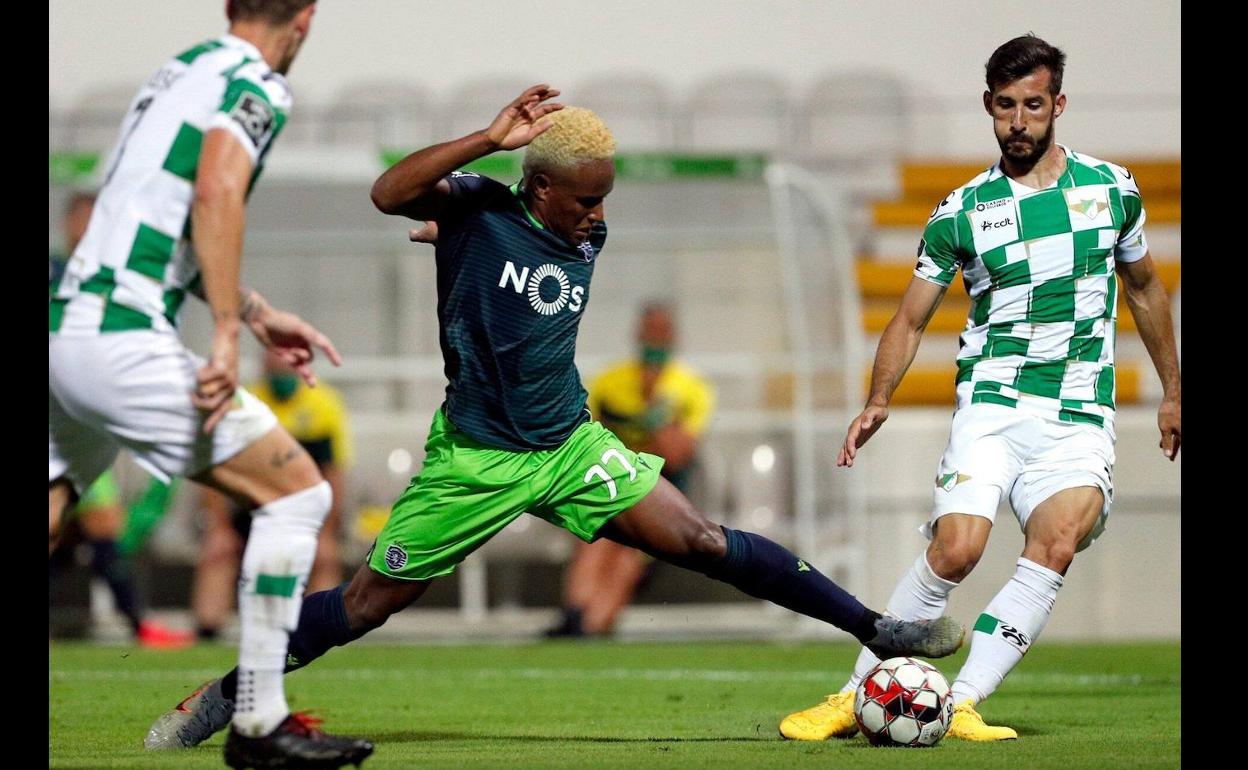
x,y
521,121
292,338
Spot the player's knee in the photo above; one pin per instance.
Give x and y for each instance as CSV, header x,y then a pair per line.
x,y
1056,554
305,509
1061,556
953,558
304,474
364,613
371,598
299,474
705,540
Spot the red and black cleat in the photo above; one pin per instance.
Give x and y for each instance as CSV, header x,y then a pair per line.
x,y
297,744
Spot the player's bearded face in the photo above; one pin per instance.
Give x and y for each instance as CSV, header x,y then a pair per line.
x,y
1024,113
1026,147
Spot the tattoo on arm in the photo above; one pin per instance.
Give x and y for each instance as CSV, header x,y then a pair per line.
x,y
249,303
249,300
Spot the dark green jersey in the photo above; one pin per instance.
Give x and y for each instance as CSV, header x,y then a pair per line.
x,y
510,299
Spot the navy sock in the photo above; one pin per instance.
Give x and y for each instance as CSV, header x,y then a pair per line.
x,y
108,564
322,626
767,570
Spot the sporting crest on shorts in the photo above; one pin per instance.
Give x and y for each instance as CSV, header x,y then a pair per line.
x,y
396,556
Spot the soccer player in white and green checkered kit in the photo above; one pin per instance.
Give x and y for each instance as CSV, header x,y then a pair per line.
x,y
192,143
514,436
1038,237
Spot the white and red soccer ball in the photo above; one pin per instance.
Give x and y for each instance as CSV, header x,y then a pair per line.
x,y
903,702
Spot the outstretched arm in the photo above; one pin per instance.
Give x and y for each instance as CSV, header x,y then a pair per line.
x,y
415,187
892,358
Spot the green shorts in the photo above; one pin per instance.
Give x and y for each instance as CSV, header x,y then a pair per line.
x,y
467,492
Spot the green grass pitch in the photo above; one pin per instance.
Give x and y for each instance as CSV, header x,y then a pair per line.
x,y
607,704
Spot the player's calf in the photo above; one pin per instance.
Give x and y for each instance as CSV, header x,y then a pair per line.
x,y
767,570
371,598
666,526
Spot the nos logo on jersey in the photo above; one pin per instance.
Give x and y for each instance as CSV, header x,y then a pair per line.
x,y
547,287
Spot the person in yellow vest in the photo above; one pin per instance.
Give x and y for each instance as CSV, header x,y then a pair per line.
x,y
654,404
317,418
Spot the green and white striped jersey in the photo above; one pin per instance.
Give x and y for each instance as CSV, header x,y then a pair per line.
x,y
1039,268
133,267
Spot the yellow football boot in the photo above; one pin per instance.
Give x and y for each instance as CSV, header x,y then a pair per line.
x,y
968,725
834,718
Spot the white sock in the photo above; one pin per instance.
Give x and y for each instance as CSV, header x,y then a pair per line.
x,y
279,555
1006,629
921,595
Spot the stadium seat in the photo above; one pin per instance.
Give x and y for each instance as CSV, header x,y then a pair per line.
x,y
636,107
855,115
739,112
395,114
474,105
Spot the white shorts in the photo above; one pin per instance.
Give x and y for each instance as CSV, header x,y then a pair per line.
x,y
133,390
995,449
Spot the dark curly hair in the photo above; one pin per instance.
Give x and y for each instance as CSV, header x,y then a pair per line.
x,y
1022,56
273,11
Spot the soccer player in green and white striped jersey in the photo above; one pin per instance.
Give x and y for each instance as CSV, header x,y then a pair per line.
x,y
192,143
1038,237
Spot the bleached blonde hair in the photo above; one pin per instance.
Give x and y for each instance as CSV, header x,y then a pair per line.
x,y
577,136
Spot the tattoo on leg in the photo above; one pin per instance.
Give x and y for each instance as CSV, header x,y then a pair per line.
x,y
280,459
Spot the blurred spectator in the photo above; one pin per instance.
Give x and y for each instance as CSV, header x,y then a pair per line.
x,y
96,524
654,404
317,418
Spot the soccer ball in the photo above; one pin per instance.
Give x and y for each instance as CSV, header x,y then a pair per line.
x,y
903,702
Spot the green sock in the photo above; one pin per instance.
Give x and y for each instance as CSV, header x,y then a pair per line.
x,y
144,516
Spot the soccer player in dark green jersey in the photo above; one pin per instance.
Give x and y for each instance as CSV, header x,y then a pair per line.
x,y
513,436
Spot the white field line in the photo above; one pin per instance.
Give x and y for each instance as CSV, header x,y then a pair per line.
x,y
195,676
